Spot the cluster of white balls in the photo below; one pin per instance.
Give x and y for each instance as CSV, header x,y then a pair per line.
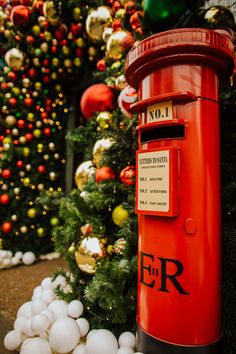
x,y
48,325
8,259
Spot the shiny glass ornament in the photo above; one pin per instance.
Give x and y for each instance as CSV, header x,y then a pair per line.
x,y
96,21
88,251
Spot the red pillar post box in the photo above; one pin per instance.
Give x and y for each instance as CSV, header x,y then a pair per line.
x,y
178,189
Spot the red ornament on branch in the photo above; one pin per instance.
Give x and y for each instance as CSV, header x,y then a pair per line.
x,y
104,173
20,15
98,97
4,199
127,175
6,227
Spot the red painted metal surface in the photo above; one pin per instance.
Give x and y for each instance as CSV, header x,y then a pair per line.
x,y
179,260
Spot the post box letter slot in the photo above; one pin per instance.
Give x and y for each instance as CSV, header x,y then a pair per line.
x,y
164,132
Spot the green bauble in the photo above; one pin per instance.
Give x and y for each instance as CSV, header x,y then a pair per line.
x,y
164,13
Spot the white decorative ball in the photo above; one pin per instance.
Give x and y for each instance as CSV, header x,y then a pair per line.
x,y
138,353
19,324
102,342
59,281
75,309
64,335
36,346
25,310
15,261
9,254
59,308
38,289
125,350
28,258
80,349
127,339
38,306
50,315
90,333
83,326
39,323
47,283
6,262
48,296
12,340
19,255
28,329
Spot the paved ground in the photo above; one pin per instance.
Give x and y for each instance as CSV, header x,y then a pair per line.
x,y
16,286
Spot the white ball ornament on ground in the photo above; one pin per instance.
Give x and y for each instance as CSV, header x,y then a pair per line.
x,y
46,283
48,296
125,350
28,329
50,315
25,310
36,346
59,308
64,335
40,323
12,340
19,324
38,306
101,341
80,349
83,326
28,258
127,339
75,309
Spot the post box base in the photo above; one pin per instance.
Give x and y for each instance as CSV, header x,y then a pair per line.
x,y
150,345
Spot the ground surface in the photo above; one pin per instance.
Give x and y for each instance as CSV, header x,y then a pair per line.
x,y
16,287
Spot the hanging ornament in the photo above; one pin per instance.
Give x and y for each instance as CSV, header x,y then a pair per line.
x,y
100,148
6,227
218,16
84,173
114,44
104,119
4,199
50,13
119,215
97,97
96,21
6,173
31,213
20,15
88,252
127,175
104,173
164,13
126,97
14,58
119,246
120,82
10,120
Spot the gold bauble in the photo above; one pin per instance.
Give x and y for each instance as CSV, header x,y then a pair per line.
x,y
96,21
100,148
50,13
218,16
84,172
14,58
88,251
104,119
2,18
114,44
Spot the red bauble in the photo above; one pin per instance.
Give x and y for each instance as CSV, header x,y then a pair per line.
x,y
19,164
28,136
21,123
6,227
127,175
41,169
20,15
30,40
12,76
32,73
28,102
104,173
98,97
47,131
101,65
12,101
6,173
4,199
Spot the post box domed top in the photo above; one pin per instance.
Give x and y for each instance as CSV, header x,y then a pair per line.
x,y
184,45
